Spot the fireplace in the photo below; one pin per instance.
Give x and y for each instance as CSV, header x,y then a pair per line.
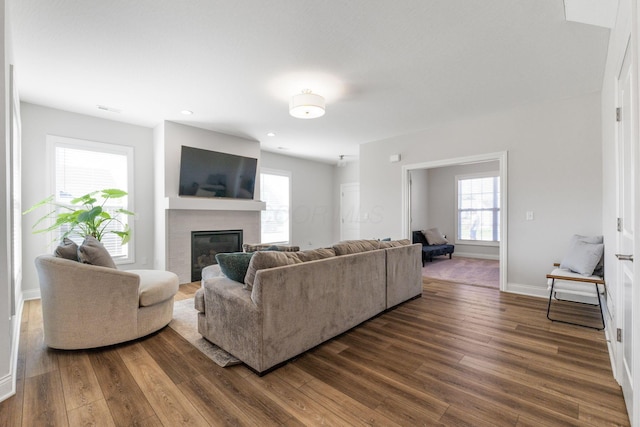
x,y
206,244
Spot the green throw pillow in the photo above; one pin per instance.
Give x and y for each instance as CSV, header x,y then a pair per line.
x,y
234,265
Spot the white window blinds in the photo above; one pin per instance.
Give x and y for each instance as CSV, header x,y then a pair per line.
x,y
82,167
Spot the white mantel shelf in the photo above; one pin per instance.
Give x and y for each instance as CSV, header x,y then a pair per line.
x,y
213,204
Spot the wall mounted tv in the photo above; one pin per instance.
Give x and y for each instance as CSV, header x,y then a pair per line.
x,y
206,173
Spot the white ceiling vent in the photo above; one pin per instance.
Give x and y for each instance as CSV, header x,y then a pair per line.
x,y
105,108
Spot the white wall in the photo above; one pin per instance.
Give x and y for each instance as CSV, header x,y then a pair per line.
x,y
420,199
442,206
312,199
37,123
554,169
176,135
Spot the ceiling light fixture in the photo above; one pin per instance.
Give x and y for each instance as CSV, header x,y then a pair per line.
x,y
306,105
187,112
271,134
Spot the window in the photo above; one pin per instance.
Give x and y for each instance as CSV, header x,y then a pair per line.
x,y
81,167
478,198
275,190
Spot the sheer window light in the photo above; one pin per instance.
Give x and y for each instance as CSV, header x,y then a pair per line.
x,y
275,190
82,167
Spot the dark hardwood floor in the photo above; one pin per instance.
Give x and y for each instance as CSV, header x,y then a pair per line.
x,y
460,355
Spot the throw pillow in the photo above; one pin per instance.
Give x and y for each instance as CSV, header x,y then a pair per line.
x,y
93,252
234,265
347,247
582,257
315,254
599,270
67,249
268,259
394,243
434,237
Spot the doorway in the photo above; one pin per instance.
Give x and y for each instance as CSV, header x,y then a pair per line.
x,y
500,158
349,211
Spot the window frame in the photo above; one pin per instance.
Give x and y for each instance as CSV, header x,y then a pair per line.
x,y
498,210
55,141
278,172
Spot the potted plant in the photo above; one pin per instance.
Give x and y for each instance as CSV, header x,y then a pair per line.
x,y
84,216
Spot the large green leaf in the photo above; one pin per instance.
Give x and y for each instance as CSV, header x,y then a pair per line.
x,y
113,193
90,216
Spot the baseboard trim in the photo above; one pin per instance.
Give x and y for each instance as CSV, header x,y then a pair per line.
x,y
532,291
474,255
31,294
8,382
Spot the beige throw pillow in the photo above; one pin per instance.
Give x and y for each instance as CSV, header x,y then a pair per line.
x,y
347,247
394,243
268,259
67,250
93,252
434,237
316,254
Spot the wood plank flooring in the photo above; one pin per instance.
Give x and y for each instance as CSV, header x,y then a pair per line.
x,y
459,356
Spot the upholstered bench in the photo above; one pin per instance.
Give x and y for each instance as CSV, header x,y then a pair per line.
x,y
429,251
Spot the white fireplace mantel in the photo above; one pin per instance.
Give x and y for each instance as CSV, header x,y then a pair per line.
x,y
214,204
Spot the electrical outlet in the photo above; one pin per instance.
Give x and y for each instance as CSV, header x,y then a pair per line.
x,y
529,216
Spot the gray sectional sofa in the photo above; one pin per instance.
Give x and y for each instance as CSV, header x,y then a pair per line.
x,y
289,309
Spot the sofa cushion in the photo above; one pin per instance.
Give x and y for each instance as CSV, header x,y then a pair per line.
x,y
67,250
347,247
315,254
210,271
268,259
156,286
394,243
93,252
434,237
234,265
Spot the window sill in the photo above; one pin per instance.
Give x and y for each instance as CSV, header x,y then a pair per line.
x,y
478,243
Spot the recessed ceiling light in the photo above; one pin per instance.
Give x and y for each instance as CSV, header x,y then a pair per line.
x,y
187,112
271,134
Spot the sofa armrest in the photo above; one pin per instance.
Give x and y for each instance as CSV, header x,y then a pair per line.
x,y
404,273
231,319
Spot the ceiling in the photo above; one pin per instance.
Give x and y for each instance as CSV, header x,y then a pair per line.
x,y
385,67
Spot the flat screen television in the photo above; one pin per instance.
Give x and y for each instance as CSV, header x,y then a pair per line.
x,y
206,173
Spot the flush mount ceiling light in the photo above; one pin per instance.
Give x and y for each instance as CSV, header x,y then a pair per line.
x,y
306,105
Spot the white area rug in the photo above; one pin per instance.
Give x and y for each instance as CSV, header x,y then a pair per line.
x,y
185,322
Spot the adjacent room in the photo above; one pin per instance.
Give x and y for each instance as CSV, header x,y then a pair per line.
x,y
320,213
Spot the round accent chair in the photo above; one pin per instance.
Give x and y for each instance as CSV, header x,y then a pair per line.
x,y
87,306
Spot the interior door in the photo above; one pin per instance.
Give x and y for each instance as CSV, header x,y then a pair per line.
x,y
626,163
349,211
